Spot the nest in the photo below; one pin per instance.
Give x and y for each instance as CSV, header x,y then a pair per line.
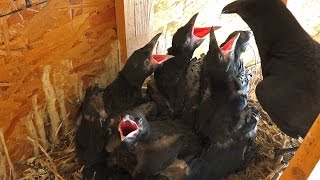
x,y
261,162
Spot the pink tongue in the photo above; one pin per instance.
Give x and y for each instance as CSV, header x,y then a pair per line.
x,y
159,58
201,32
127,127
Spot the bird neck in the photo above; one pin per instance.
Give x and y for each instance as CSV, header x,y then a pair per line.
x,y
133,81
177,52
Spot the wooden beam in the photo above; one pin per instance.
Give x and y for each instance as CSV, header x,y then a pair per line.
x,y
306,157
134,25
121,29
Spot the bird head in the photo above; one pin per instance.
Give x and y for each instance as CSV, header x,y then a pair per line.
x,y
251,10
240,47
188,38
242,42
132,128
219,60
142,63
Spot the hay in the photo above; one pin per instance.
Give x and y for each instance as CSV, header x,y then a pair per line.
x,y
59,162
4,150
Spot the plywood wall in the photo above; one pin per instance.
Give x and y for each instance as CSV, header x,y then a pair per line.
x,y
74,41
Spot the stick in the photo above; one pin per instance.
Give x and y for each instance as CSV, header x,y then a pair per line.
x,y
51,103
32,132
39,122
63,110
3,170
52,169
12,172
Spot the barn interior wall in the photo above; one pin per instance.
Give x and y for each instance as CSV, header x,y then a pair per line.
x,y
49,53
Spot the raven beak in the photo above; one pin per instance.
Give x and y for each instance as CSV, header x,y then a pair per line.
x,y
231,8
230,45
213,44
154,40
199,33
157,59
192,20
228,49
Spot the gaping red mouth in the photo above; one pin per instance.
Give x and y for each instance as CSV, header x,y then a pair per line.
x,y
127,126
231,43
203,31
159,59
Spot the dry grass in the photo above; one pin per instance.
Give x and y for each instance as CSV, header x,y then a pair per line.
x,y
59,161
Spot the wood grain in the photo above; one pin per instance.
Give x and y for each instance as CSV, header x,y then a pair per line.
x,y
74,37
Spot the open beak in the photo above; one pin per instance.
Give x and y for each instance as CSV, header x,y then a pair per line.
x,y
230,45
127,128
199,33
157,58
228,48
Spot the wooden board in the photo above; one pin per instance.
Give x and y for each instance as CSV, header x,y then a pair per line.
x,y
306,157
135,19
75,38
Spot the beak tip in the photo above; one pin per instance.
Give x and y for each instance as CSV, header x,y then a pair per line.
x,y
156,38
193,19
225,10
216,27
159,34
230,8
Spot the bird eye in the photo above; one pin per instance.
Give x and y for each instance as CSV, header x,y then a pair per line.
x,y
146,62
220,57
130,117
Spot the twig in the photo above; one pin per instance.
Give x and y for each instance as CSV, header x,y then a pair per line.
x,y
52,169
258,170
39,122
63,110
51,100
32,132
12,171
59,127
3,170
277,170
